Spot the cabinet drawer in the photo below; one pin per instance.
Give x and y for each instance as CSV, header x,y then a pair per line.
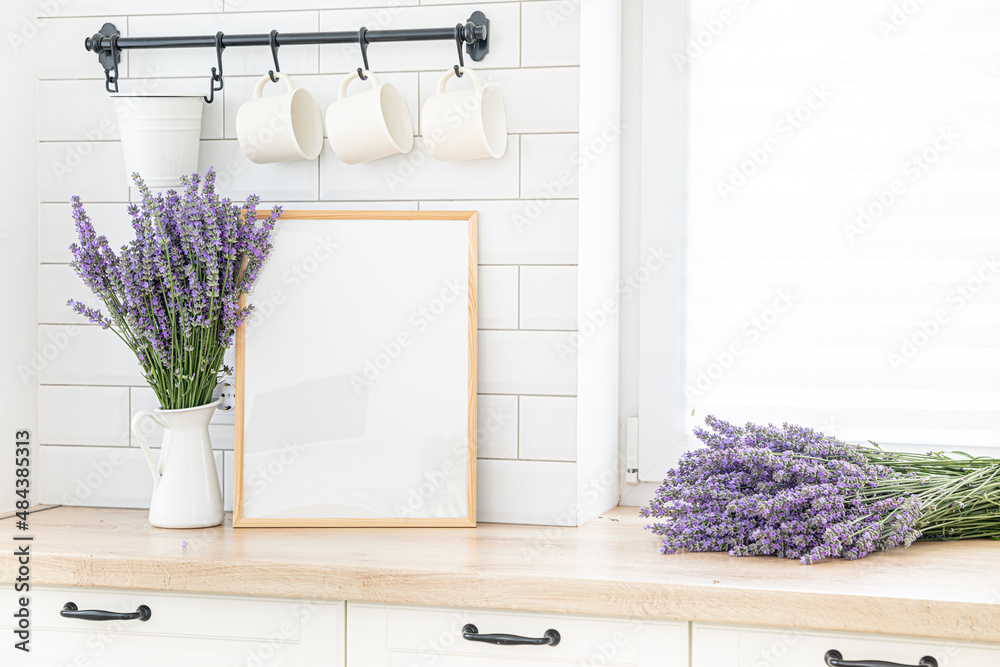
x,y
183,629
403,636
731,646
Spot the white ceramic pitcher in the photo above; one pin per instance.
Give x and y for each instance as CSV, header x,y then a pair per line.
x,y
186,491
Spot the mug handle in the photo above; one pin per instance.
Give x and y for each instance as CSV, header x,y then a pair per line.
x,y
137,432
259,89
476,81
342,93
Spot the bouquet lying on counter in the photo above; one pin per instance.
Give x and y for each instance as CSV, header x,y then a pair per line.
x,y
797,493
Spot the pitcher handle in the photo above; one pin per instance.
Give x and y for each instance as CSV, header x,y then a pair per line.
x,y
154,469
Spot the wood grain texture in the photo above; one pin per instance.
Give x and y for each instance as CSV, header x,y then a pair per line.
x,y
610,566
241,521
473,357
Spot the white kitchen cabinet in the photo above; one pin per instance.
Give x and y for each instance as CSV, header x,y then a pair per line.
x,y
186,630
381,635
739,646
195,630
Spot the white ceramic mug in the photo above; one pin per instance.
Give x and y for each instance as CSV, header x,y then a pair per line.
x,y
465,124
281,127
369,125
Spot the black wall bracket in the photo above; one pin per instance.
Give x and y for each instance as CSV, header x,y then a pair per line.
x,y
478,48
108,43
109,57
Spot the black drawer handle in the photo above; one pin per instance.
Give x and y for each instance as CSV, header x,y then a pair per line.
x,y
836,659
550,638
70,610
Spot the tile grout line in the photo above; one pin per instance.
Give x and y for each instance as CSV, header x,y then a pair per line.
x,y
520,34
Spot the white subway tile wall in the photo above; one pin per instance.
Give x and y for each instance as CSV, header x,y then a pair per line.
x,y
550,166
56,284
498,297
295,181
550,33
94,416
228,464
547,428
56,232
420,56
83,355
93,117
99,476
548,297
496,432
60,44
416,175
91,384
531,492
518,232
100,8
545,99
90,168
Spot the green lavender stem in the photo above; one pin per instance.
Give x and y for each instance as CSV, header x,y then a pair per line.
x,y
959,494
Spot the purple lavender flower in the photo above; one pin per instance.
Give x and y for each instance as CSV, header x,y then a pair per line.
x,y
790,492
173,292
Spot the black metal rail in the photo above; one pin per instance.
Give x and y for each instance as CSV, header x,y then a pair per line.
x,y
108,44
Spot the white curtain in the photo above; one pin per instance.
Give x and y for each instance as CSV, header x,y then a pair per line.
x,y
844,217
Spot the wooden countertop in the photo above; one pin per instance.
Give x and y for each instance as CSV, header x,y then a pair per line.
x,y
611,566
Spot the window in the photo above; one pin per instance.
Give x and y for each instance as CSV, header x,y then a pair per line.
x,y
840,240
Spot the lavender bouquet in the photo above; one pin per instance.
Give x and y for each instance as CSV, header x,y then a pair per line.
x,y
172,294
796,493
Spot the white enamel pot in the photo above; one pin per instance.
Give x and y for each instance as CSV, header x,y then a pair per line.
x,y
160,136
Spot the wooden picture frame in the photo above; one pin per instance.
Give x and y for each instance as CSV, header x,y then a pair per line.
x,y
351,220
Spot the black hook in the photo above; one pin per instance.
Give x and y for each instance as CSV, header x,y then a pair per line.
x,y
363,41
274,54
115,51
216,73
458,43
